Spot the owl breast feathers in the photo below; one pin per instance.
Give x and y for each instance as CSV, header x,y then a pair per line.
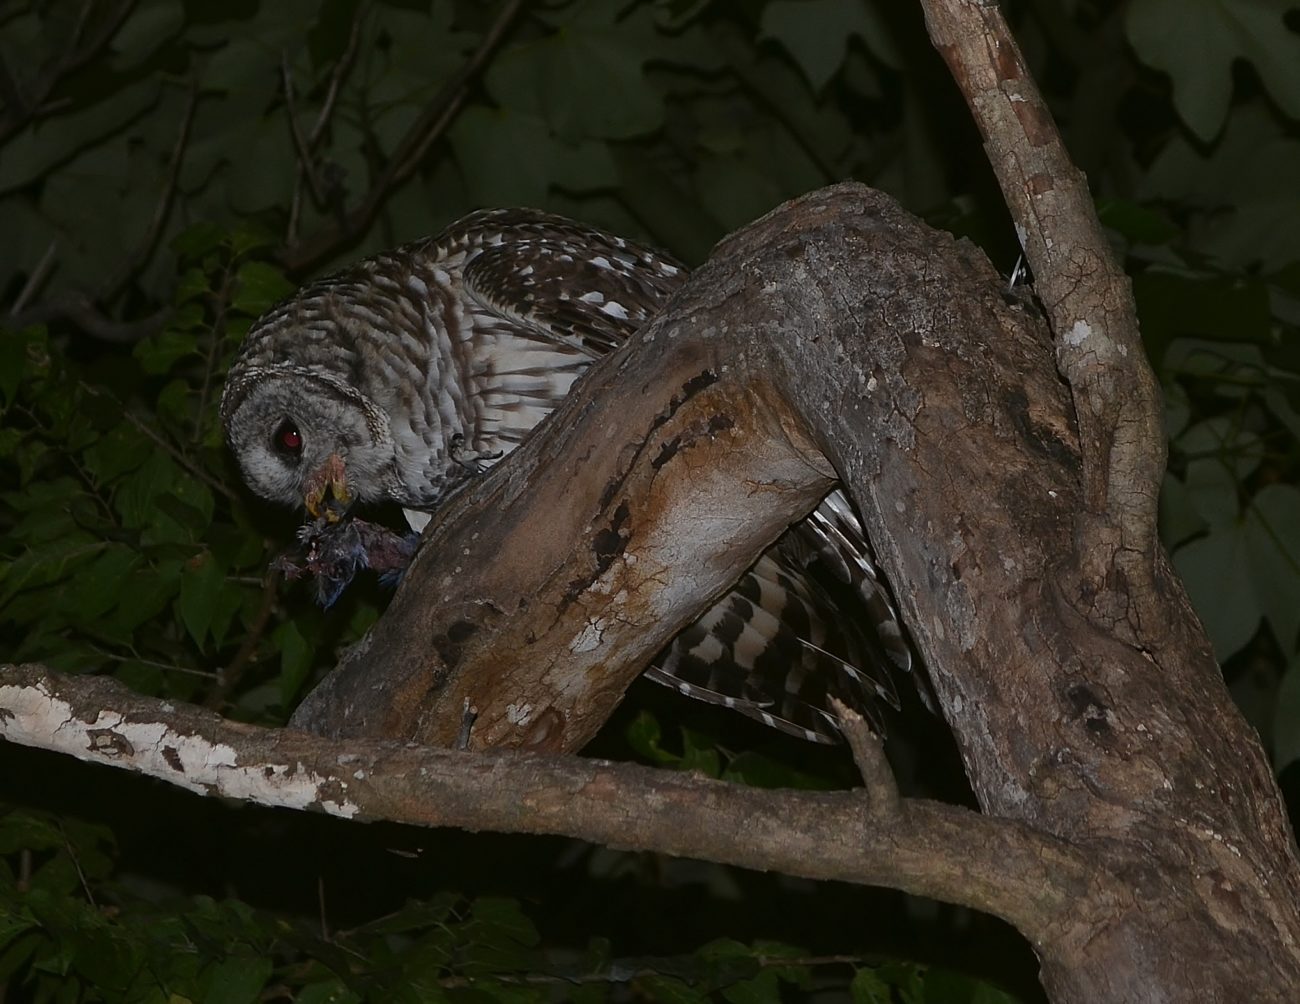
x,y
400,377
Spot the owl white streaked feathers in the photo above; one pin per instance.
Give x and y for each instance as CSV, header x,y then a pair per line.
x,y
400,377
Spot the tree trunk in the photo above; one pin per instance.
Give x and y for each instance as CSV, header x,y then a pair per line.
x,y
841,321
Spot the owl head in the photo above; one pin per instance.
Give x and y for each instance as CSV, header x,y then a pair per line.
x,y
305,436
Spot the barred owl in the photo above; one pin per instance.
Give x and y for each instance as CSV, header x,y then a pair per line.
x,y
403,376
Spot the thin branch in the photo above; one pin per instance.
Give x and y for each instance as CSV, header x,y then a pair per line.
x,y
228,678
1088,300
426,130
83,309
1001,866
189,465
35,280
162,208
869,755
337,77
76,863
306,162
306,167
76,56
78,309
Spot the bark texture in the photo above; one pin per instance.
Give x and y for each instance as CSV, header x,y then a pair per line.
x,y
922,847
842,322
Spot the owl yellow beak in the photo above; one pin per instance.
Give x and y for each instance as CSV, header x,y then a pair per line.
x,y
326,490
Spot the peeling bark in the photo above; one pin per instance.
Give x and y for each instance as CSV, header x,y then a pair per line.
x,y
919,846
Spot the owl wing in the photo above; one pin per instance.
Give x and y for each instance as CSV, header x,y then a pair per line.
x,y
810,619
574,287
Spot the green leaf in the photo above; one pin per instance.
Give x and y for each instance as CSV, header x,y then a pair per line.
x,y
98,586
760,771
816,33
868,988
666,990
201,584
35,152
13,362
49,564
1179,518
1272,531
327,992
1138,223
504,918
148,27
699,754
586,80
158,353
236,980
259,288
12,924
1196,42
1286,719
146,593
197,241
1245,181
644,736
295,660
1217,572
134,498
123,448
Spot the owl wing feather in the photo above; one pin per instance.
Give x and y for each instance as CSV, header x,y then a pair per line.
x,y
811,618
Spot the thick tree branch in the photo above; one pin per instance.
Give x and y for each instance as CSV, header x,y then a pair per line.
x,y
1089,304
839,328
926,848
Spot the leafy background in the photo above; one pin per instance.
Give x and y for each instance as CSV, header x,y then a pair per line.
x,y
169,168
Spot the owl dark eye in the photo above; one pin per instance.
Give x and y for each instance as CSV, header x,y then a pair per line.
x,y
287,440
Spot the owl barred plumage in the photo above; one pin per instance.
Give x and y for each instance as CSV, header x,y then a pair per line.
x,y
400,377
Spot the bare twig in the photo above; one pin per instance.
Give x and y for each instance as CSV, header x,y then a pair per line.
x,y
306,151
78,309
83,308
35,279
869,755
466,725
215,332
431,124
76,863
31,105
162,208
171,450
228,678
306,162
339,73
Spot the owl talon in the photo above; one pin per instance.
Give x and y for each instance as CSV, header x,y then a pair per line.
x,y
471,459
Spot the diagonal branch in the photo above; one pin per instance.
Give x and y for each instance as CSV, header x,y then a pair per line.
x,y
1088,300
929,849
24,105
838,336
402,163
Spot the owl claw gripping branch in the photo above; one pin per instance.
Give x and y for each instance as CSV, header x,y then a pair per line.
x,y
404,376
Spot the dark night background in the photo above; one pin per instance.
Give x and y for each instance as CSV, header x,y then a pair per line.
x,y
171,168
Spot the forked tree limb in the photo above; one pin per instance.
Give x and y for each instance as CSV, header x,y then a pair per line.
x,y
1089,304
922,847
840,336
